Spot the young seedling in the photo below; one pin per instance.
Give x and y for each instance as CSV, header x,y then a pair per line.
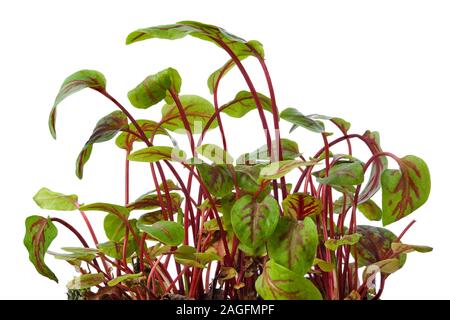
x,y
215,227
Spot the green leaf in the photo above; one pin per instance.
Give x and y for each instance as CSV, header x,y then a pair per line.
x,y
214,77
157,153
155,88
151,217
386,266
167,232
115,249
151,201
39,234
289,150
370,210
253,222
378,166
81,250
215,153
248,178
188,256
374,245
86,281
114,209
125,140
83,157
301,205
348,239
399,248
195,29
299,120
114,227
243,103
50,200
323,265
198,112
279,283
259,251
74,83
346,173
227,273
279,169
294,244
124,278
404,190
339,122
217,178
105,129
73,258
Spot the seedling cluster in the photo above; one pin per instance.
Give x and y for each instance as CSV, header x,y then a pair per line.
x,y
215,227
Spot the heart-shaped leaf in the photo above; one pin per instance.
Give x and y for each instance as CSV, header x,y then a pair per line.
x,y
294,244
345,173
157,153
279,169
215,154
217,178
299,120
253,222
279,283
198,112
39,234
86,281
50,200
404,190
74,83
243,103
301,205
289,149
105,129
167,232
155,88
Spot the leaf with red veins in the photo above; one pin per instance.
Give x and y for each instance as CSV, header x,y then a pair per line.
x,y
404,190
378,166
301,205
39,234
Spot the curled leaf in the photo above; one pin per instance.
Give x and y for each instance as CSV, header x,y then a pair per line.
x,y
74,83
155,88
39,234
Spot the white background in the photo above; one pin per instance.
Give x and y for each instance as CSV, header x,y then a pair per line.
x,y
382,65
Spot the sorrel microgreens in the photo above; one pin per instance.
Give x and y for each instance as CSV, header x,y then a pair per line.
x,y
231,229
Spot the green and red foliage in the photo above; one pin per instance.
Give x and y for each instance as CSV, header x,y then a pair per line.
x,y
212,227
